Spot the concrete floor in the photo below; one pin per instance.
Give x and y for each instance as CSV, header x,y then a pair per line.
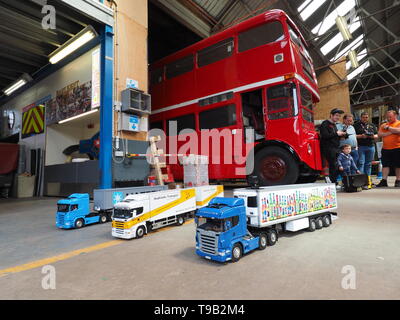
x,y
163,264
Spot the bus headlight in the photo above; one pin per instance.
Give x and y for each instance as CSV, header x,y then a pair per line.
x,y
309,149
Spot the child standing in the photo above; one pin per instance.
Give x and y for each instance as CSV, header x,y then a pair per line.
x,y
346,162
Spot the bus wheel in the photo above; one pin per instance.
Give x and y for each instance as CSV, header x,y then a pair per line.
x,y
275,166
237,252
140,232
79,223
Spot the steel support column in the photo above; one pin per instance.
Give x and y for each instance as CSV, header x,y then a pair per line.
x,y
106,107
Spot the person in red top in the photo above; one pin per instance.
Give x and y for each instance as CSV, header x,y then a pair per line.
x,y
390,134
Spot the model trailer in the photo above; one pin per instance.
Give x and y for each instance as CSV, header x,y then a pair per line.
x,y
74,212
228,228
138,214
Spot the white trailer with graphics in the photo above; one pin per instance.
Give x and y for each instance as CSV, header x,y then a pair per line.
x,y
138,214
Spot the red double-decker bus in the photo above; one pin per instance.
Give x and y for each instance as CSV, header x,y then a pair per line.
x,y
255,75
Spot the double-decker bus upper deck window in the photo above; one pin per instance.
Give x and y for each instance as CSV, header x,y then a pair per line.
x,y
258,36
281,101
295,37
216,52
156,76
307,68
218,118
180,66
183,122
307,104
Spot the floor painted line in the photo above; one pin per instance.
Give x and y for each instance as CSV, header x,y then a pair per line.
x,y
64,256
68,255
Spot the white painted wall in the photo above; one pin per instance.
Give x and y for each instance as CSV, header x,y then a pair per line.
x,y
57,138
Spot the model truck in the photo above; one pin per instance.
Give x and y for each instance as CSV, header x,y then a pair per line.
x,y
228,228
138,214
74,212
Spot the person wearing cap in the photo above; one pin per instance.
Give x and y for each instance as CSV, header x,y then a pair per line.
x,y
330,141
366,134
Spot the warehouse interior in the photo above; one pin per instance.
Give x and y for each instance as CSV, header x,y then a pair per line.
x,y
65,129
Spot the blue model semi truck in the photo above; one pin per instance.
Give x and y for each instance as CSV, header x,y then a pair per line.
x,y
228,228
74,212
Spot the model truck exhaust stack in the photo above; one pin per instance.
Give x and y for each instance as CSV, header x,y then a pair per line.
x,y
228,228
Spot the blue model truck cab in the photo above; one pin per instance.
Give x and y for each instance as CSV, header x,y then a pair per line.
x,y
74,212
222,233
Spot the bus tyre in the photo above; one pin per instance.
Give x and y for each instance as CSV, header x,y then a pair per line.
x,y
275,166
140,232
272,237
262,241
237,252
79,223
319,223
326,220
180,220
312,226
103,218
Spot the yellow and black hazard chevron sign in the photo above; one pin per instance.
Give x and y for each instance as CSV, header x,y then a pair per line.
x,y
33,121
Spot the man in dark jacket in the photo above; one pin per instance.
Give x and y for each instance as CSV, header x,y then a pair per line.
x,y
330,141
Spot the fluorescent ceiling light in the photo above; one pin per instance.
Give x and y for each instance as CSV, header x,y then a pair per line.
x,y
329,21
78,116
337,39
353,59
18,84
360,56
360,69
353,45
341,23
311,8
73,44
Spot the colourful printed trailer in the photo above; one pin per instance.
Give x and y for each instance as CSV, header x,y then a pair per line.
x,y
271,205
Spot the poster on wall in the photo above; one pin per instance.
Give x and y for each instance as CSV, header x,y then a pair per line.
x,y
69,102
33,118
96,67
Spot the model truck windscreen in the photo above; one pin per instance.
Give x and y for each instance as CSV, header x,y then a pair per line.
x,y
63,208
123,213
209,224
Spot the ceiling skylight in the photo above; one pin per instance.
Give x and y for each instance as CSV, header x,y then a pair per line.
x,y
329,21
334,42
310,8
359,70
353,45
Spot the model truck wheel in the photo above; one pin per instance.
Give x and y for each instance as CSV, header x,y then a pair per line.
x,y
275,166
262,241
312,226
181,220
272,237
140,232
237,252
103,218
79,223
319,223
326,221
